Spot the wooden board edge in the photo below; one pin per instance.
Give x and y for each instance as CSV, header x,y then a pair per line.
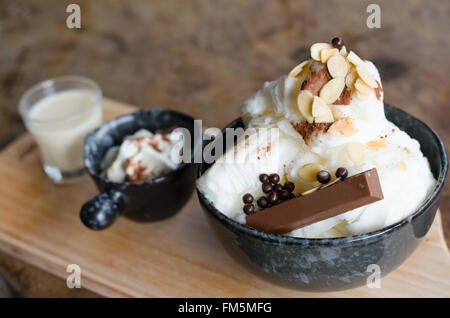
x,y
92,282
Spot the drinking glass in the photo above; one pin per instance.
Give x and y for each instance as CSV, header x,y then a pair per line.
x,y
59,113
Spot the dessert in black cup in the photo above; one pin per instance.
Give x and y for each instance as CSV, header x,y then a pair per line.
x,y
152,200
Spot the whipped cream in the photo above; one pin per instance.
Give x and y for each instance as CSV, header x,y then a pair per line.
x,y
140,157
404,172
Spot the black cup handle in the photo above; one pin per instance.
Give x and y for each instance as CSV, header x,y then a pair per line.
x,y
102,210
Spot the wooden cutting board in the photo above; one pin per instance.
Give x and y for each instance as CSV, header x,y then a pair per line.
x,y
179,257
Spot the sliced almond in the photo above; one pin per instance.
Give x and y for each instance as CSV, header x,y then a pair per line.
x,y
296,71
337,114
365,76
319,107
343,51
362,87
337,66
355,152
342,127
331,91
377,144
325,54
309,172
402,165
330,183
350,79
327,118
355,59
317,47
310,191
304,102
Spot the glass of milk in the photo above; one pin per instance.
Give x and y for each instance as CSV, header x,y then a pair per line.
x,y
59,113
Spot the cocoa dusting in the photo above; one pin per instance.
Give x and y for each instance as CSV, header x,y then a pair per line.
x,y
149,140
154,143
345,98
315,80
138,169
136,140
378,90
309,130
166,138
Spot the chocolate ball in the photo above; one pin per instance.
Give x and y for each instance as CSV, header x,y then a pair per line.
x,y
264,178
278,187
323,176
341,173
272,197
247,198
274,178
289,186
284,194
249,209
337,42
262,202
266,187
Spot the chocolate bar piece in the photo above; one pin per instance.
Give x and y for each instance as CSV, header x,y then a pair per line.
x,y
343,196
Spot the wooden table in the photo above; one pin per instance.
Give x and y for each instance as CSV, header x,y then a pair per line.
x,y
206,57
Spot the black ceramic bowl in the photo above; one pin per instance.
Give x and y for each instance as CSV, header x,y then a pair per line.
x,y
334,263
152,200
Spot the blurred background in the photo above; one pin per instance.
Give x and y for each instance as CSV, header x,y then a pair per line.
x,y
205,57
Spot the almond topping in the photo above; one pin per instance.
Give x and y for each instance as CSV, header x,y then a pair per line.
x,y
365,76
343,51
342,127
321,112
337,114
350,79
296,71
362,87
309,172
330,183
377,144
304,102
355,59
402,165
337,66
319,107
325,54
331,91
317,48
310,191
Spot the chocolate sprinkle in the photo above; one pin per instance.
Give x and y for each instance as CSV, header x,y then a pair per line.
x,y
274,178
264,178
266,187
341,173
323,176
337,42
262,202
249,209
247,198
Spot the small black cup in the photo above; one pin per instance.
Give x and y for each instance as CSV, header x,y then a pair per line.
x,y
156,199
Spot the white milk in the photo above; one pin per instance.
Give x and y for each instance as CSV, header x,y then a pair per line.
x,y
59,123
